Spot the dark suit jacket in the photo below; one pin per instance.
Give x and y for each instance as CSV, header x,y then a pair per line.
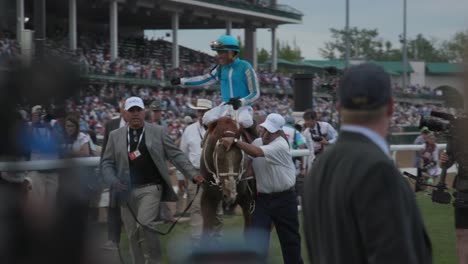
x,y
160,146
359,209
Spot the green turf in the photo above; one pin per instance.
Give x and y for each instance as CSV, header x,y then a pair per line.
x,y
438,220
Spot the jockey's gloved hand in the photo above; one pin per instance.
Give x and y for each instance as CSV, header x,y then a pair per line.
x,y
175,81
235,102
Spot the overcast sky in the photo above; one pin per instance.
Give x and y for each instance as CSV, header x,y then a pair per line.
x,y
438,19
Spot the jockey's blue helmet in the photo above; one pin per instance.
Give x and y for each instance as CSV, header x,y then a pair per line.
x,y
225,42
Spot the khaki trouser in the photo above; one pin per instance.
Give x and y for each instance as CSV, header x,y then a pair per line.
x,y
196,219
44,188
144,244
462,245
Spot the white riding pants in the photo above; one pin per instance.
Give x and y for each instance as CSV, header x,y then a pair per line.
x,y
243,115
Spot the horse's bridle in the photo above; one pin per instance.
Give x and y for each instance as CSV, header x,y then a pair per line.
x,y
216,175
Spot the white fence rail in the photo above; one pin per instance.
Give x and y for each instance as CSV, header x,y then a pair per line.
x,y
94,161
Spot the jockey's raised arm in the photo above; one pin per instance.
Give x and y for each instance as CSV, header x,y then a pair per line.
x,y
203,80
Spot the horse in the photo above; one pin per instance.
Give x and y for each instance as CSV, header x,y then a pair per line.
x,y
225,174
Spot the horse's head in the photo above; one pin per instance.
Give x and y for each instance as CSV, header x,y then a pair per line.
x,y
225,126
226,165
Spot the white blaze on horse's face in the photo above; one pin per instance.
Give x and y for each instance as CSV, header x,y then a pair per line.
x,y
229,189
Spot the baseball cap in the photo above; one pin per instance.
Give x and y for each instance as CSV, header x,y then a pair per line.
x,y
202,104
364,87
273,122
134,101
36,108
157,105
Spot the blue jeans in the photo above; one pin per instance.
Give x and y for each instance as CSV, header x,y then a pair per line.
x,y
280,210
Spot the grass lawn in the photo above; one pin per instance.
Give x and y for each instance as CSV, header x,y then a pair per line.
x,y
438,220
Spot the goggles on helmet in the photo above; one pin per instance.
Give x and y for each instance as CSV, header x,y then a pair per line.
x,y
216,45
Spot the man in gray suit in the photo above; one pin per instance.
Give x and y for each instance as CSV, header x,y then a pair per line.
x,y
134,163
358,208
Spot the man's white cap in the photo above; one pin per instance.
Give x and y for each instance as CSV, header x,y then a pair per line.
x,y
273,122
134,101
202,104
36,109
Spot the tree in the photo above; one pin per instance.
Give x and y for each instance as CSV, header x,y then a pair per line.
x,y
456,49
364,43
422,48
286,52
241,48
263,56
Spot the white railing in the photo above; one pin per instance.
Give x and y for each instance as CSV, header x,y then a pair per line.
x,y
395,148
94,161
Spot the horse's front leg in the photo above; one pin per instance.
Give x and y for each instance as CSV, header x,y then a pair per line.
x,y
212,215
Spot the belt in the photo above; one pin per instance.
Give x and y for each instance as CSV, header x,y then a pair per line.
x,y
276,194
145,185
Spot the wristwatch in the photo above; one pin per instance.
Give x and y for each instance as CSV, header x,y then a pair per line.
x,y
235,140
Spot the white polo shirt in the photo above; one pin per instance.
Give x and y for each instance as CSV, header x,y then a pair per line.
x,y
275,172
190,143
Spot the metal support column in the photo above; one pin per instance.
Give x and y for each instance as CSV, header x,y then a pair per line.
x,y
19,19
274,53
228,27
39,28
175,44
72,24
405,51
113,26
251,46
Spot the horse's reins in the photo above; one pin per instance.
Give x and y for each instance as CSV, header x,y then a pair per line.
x,y
216,174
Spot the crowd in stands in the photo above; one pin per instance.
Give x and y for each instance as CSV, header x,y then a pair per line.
x,y
98,104
150,59
8,47
416,90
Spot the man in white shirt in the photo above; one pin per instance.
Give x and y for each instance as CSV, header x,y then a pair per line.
x,y
318,135
190,145
275,176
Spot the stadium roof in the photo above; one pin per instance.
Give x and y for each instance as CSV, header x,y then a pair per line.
x,y
295,65
442,68
339,64
391,67
157,14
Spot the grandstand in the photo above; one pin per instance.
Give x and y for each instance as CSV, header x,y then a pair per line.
x,y
129,18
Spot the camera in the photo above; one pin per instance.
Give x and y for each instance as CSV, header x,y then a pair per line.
x,y
317,138
455,129
437,122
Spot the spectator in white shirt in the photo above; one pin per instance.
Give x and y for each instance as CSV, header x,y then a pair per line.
x,y
318,135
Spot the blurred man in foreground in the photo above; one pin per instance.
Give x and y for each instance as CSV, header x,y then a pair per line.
x,y
358,207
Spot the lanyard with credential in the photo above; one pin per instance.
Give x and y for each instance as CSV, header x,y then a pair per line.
x,y
139,140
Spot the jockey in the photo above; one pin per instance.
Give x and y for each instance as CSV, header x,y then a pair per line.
x,y
239,83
